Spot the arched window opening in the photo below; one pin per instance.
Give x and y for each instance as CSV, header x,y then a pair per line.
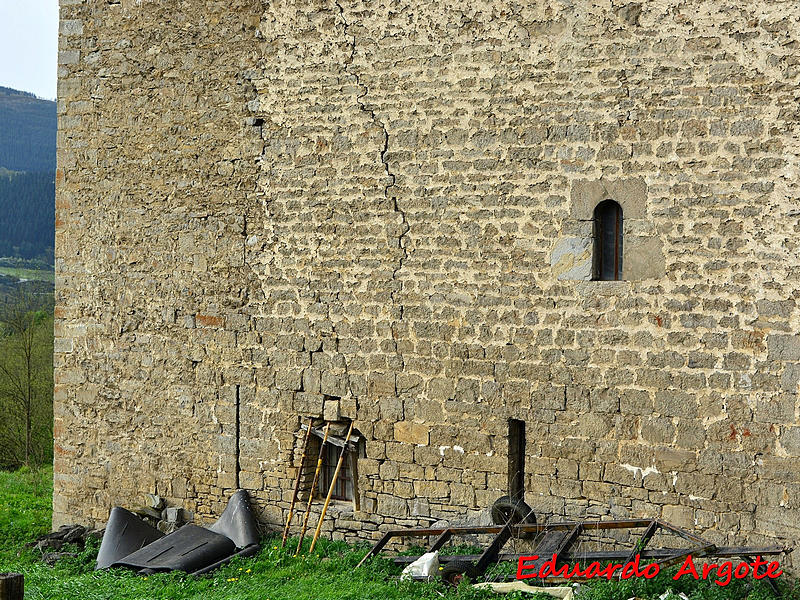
x,y
607,264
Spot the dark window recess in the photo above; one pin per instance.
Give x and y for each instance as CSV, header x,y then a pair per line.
x,y
516,459
343,490
607,263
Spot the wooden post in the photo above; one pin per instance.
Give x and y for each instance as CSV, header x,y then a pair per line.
x,y
12,586
330,490
313,485
297,483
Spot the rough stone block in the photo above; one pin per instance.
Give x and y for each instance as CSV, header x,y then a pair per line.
x,y
411,433
392,506
631,194
71,27
380,385
642,258
783,347
289,379
682,516
331,410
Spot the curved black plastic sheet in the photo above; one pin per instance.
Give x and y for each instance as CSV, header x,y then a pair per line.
x,y
191,548
188,549
125,533
237,521
248,551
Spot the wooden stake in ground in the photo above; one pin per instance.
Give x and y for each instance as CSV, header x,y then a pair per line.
x,y
330,491
313,485
12,586
297,483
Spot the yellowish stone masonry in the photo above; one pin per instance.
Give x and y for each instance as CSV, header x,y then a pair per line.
x,y
382,211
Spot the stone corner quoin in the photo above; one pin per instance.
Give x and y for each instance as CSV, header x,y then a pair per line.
x,y
268,212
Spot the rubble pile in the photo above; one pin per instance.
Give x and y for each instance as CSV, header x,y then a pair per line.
x,y
51,544
166,519
154,512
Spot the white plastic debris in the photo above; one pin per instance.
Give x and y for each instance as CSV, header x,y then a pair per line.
x,y
562,592
670,594
426,565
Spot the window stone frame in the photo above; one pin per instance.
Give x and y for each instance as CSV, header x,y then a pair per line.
x,y
642,251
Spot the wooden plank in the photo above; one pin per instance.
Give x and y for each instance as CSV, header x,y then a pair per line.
x,y
702,549
296,485
333,439
550,544
313,487
768,580
696,539
569,539
532,528
491,553
678,556
339,464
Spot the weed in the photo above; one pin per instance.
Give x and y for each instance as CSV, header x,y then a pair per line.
x,y
274,573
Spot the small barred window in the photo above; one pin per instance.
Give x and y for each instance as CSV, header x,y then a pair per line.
x,y
607,263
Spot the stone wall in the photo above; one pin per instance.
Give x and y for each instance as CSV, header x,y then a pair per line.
x,y
377,211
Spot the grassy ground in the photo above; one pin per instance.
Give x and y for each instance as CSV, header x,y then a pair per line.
x,y
274,574
29,274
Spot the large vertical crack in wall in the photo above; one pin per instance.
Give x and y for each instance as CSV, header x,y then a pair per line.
x,y
403,226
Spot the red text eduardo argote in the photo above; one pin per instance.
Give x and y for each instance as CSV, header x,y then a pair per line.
x,y
722,573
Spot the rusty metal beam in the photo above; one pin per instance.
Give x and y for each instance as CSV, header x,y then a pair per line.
x,y
616,555
526,528
695,539
640,545
441,540
377,547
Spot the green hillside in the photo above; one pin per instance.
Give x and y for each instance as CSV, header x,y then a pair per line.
x,y
27,220
27,132
27,175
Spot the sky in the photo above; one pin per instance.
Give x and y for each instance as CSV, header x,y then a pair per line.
x,y
29,46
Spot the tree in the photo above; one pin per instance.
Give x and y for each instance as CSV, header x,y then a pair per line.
x,y
26,381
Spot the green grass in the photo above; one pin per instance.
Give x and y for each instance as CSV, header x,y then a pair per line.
x,y
25,509
30,274
274,574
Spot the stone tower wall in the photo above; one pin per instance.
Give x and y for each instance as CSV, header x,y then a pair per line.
x,y
382,211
